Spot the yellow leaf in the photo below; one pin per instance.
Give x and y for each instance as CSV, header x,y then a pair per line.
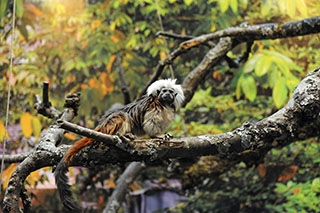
x,y
163,55
93,82
60,9
290,8
115,39
2,131
111,61
26,124
106,85
70,136
6,174
110,184
95,24
36,126
33,9
33,177
302,8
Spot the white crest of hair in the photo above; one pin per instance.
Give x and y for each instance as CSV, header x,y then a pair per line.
x,y
168,83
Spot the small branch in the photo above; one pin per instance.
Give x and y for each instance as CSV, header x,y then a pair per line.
x,y
213,57
123,183
16,158
124,85
43,106
45,94
175,36
110,140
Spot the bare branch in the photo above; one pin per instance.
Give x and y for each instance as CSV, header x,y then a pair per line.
x,y
16,158
213,56
175,36
260,32
123,183
124,85
46,154
296,121
44,106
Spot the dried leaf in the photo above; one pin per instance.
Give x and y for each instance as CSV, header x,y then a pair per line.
x,y
262,170
288,173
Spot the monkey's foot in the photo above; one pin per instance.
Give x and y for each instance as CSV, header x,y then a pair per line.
x,y
127,137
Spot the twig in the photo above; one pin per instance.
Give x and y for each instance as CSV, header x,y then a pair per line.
x,y
44,106
124,85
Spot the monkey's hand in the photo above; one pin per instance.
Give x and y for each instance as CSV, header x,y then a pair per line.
x,y
127,137
165,137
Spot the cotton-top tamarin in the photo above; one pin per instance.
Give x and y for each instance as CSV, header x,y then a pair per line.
x,y
149,115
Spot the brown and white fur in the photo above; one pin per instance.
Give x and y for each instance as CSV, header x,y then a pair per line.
x,y
149,115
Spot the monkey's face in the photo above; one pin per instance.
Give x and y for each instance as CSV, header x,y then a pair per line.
x,y
166,96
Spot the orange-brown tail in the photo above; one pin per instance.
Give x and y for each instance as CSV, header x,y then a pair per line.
x,y
80,144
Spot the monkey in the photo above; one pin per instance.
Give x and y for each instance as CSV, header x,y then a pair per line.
x,y
150,115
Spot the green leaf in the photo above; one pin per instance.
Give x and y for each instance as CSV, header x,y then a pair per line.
x,y
251,63
3,8
316,185
188,2
19,8
238,88
273,76
262,65
234,6
249,88
280,92
224,5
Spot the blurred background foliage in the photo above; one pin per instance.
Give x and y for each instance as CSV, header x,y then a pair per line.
x,y
82,45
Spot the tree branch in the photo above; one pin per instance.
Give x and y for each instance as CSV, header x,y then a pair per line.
x,y
16,158
260,32
123,82
296,121
46,154
123,183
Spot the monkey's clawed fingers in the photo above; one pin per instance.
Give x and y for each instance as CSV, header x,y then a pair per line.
x,y
165,137
127,137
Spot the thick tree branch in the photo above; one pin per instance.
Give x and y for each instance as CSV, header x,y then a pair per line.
x,y
298,120
260,32
46,154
